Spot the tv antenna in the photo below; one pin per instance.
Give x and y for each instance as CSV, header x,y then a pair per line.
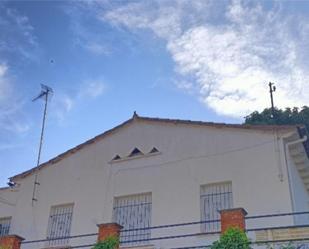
x,y
45,93
272,88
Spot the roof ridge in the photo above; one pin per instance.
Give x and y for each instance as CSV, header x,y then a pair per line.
x,y
234,125
136,117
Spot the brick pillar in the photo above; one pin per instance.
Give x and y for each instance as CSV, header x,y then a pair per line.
x,y
10,242
233,218
109,230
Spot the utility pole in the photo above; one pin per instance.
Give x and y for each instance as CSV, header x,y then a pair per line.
x,y
44,94
272,89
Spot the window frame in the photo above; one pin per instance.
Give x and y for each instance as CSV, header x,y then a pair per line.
x,y
59,242
215,215
9,221
135,235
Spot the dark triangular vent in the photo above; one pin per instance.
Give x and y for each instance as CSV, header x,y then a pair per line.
x,y
117,157
154,150
135,152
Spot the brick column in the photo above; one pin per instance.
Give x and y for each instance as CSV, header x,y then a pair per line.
x,y
109,230
10,242
233,218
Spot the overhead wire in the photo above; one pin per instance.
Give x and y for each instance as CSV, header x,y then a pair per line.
x,y
7,202
197,157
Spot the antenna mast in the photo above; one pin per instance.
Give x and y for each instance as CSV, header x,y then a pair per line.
x,y
44,94
272,89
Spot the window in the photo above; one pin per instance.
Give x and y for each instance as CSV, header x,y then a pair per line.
x,y
154,150
133,212
5,224
59,224
135,152
214,197
117,157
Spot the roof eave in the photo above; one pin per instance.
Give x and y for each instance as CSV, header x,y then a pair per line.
x,y
56,159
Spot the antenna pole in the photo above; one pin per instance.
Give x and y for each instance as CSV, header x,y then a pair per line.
x,y
42,129
272,89
44,94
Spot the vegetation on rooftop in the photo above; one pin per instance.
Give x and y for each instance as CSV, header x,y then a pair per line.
x,y
287,116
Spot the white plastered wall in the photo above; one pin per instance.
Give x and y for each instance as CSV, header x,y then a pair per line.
x,y
190,156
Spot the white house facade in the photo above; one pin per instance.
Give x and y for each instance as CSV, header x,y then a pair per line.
x,y
149,172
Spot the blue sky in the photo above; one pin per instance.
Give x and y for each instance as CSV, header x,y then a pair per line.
x,y
200,60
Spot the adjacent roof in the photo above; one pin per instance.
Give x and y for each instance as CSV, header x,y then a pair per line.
x,y
161,120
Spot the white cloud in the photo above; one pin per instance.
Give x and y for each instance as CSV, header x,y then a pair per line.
x,y
166,19
97,48
16,39
10,105
5,87
7,146
63,103
231,51
83,32
3,69
17,36
67,103
15,127
92,88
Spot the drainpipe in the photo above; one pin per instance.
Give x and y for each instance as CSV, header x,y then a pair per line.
x,y
287,145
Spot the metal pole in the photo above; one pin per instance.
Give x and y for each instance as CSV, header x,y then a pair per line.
x,y
271,90
40,149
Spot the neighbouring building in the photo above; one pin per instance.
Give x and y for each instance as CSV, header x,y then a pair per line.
x,y
150,172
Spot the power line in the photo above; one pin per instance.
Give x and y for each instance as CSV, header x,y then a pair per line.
x,y
187,235
4,201
199,156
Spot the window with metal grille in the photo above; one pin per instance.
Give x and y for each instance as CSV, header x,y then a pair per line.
x,y
132,212
5,224
214,197
59,224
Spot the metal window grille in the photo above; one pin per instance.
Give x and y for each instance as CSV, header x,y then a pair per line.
x,y
214,197
59,224
133,212
5,224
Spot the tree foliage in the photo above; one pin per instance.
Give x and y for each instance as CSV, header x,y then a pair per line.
x,y
288,116
233,238
108,243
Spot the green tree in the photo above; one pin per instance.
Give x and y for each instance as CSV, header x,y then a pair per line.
x,y
288,116
108,243
233,238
